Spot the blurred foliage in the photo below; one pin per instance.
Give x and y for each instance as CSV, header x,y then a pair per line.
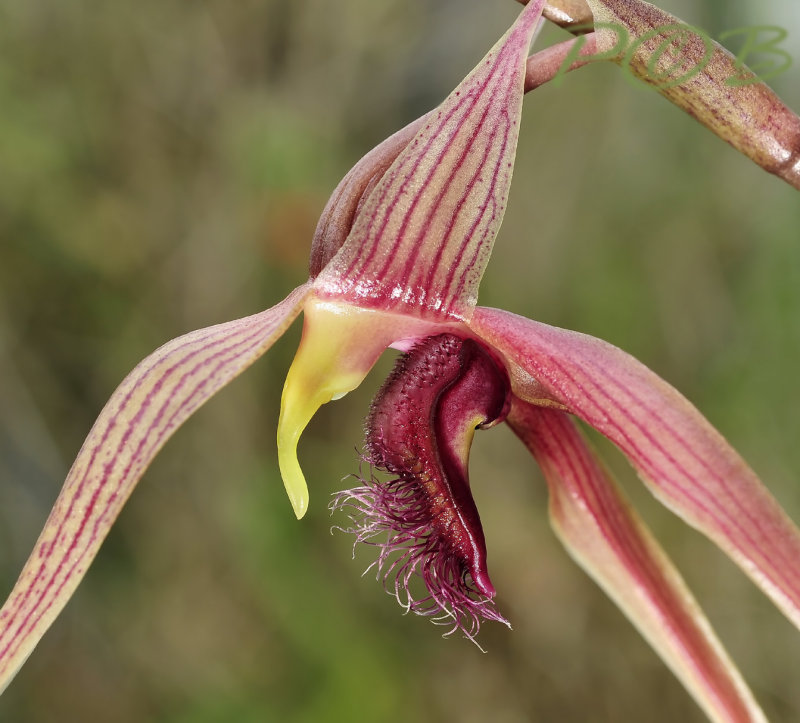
x,y
162,166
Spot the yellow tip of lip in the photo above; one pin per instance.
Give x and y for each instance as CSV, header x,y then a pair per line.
x,y
339,346
294,481
293,478
297,409
328,364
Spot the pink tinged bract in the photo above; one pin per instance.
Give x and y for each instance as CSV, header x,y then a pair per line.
x,y
606,537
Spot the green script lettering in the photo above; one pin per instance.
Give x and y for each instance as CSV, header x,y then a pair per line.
x,y
676,38
765,69
675,44
575,51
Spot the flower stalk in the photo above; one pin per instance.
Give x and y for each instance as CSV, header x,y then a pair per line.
x,y
692,71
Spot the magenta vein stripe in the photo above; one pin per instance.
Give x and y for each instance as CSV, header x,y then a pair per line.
x,y
619,534
399,255
678,489
729,491
460,206
622,536
186,407
89,509
463,262
631,446
75,539
422,236
371,242
258,333
469,95
489,87
656,472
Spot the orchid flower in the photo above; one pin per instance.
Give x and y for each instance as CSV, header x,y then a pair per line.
x,y
396,262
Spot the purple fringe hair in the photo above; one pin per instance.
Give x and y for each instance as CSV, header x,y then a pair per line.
x,y
395,517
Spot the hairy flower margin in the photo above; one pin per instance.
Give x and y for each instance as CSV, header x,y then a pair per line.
x,y
397,259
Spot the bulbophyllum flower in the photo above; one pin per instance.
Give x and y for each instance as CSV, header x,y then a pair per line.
x,y
396,262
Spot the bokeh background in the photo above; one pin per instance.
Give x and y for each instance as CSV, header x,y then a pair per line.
x,y
162,167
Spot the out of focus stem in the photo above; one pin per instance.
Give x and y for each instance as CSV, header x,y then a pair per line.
x,y
719,91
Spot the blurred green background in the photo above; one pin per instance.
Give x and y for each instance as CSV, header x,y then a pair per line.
x,y
162,167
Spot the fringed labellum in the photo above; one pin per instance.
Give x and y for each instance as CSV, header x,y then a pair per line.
x,y
419,431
